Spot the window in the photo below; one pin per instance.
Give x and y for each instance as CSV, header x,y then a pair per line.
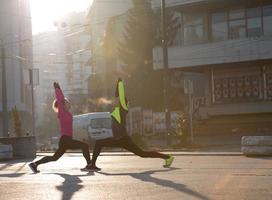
x,y
254,22
237,24
101,123
219,26
193,28
179,36
267,20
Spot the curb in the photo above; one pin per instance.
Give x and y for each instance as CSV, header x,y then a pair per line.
x,y
172,153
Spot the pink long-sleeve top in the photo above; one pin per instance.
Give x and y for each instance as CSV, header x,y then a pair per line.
x,y
65,117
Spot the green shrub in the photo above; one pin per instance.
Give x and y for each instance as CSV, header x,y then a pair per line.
x,y
17,122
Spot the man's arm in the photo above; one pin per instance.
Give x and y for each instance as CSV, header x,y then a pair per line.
x,y
121,93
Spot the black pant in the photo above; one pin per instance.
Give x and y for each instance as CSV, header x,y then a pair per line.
x,y
126,143
65,143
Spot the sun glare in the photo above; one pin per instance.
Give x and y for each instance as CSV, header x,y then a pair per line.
x,y
45,12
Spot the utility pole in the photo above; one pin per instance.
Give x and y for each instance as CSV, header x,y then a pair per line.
x,y
4,92
165,74
188,89
34,80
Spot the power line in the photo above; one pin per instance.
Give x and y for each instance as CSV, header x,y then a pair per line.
x,y
240,43
195,52
17,58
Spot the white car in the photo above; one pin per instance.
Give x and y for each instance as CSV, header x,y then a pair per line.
x,y
94,126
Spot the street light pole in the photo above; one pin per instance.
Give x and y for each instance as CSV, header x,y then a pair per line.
x,y
4,92
190,109
165,74
34,80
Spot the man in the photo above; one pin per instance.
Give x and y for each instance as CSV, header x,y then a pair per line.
x,y
120,136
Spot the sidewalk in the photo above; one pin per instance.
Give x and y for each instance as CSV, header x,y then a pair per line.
x,y
211,150
166,152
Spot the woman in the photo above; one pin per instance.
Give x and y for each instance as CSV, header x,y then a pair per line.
x,y
121,138
62,106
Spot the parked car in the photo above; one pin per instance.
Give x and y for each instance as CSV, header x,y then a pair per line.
x,y
92,126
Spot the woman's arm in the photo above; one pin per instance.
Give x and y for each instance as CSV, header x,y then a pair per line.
x,y
59,96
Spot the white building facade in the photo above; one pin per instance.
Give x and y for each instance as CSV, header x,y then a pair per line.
x,y
62,56
77,52
49,57
16,35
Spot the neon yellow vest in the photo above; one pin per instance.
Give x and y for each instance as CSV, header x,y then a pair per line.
x,y
116,114
116,111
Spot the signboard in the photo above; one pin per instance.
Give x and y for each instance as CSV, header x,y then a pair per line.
x,y
188,87
147,122
136,120
174,115
34,76
159,122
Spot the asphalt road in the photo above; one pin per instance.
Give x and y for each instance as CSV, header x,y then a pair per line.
x,y
129,177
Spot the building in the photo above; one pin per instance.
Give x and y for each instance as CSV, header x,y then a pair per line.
x,y
16,37
77,51
52,64
62,56
228,45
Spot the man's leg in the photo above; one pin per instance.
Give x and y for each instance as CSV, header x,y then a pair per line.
x,y
108,142
129,145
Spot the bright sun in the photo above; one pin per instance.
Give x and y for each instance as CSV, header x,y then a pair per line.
x,y
45,12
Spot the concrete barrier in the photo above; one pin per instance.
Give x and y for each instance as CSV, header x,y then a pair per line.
x,y
5,152
23,147
256,145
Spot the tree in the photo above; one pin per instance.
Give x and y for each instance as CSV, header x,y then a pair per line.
x,y
144,87
172,26
101,83
143,31
135,51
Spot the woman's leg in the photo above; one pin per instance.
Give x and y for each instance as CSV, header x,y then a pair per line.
x,y
60,151
75,144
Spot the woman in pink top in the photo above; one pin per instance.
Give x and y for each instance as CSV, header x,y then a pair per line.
x,y
62,107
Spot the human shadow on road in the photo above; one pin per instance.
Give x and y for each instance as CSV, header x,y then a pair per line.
x,y
260,157
70,185
6,165
146,177
12,175
15,174
10,163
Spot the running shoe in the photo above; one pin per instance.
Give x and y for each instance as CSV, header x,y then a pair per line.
x,y
33,166
168,161
86,168
94,168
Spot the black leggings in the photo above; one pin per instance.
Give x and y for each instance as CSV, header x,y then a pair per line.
x,y
65,143
126,143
